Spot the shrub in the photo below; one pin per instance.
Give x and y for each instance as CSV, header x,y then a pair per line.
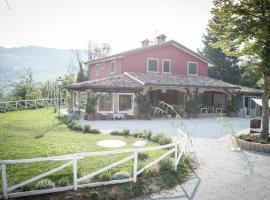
x,y
95,131
77,126
121,175
64,181
45,184
116,133
167,164
91,103
86,128
106,176
94,195
193,103
126,132
144,104
161,139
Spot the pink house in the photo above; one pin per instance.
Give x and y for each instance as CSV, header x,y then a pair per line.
x,y
166,71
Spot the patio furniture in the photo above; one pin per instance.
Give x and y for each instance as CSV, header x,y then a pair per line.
x,y
118,116
218,110
204,110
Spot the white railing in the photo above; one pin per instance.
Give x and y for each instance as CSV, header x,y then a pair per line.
x,y
179,147
6,106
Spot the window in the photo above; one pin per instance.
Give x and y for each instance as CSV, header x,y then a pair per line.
x,y
125,102
113,68
192,68
166,66
105,103
152,65
98,69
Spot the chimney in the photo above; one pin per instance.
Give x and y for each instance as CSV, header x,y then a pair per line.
x,y
145,43
161,38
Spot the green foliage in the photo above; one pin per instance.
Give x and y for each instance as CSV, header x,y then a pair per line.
x,y
95,131
233,105
91,103
193,103
121,175
161,138
226,67
86,128
126,132
116,133
63,181
75,125
45,184
144,104
106,176
242,29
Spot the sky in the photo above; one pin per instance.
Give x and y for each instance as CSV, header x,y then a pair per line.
x,y
121,23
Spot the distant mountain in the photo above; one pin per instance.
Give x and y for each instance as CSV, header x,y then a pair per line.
x,y
47,63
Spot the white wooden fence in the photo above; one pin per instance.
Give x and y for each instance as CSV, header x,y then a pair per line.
x,y
6,106
179,147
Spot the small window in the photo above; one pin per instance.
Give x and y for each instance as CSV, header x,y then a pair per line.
x,y
98,69
192,68
152,65
166,66
125,102
113,68
105,102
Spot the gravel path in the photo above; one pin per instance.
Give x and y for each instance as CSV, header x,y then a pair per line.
x,y
223,175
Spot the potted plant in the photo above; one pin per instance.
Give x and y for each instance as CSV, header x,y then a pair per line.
x,y
144,106
233,107
192,106
91,104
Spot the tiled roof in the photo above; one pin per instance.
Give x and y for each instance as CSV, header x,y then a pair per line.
x,y
248,90
180,80
116,82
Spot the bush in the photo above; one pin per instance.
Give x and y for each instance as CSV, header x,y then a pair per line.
x,y
167,164
45,184
91,103
126,132
116,133
76,126
161,139
121,175
95,131
86,128
64,181
106,176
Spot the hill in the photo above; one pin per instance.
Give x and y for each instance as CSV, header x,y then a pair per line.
x,y
47,63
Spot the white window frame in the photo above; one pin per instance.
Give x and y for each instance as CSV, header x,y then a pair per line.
x,y
100,65
197,69
113,72
131,111
157,65
103,111
170,66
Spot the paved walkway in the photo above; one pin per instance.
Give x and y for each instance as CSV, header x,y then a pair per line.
x,y
223,175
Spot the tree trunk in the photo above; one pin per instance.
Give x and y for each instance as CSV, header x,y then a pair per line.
x,y
265,115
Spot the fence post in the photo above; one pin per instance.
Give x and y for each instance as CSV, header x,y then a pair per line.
x,y
75,183
4,181
135,166
35,103
175,156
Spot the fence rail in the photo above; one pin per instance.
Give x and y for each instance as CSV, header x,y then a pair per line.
x,y
7,106
179,147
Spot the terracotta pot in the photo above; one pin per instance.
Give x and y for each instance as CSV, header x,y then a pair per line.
x,y
232,114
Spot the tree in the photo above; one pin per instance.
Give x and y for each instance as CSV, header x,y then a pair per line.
x,y
82,73
226,67
96,51
243,29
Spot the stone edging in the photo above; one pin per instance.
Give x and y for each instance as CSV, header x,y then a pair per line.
x,y
252,146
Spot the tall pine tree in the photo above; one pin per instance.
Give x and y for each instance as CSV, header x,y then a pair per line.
x,y
226,67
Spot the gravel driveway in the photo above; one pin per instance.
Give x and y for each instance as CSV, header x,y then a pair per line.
x,y
222,174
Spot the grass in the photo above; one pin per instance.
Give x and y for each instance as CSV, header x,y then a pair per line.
x,y
37,133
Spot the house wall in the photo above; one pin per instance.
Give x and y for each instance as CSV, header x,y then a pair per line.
x,y
105,69
137,62
179,59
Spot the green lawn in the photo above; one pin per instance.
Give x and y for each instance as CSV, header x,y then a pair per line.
x,y
37,133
